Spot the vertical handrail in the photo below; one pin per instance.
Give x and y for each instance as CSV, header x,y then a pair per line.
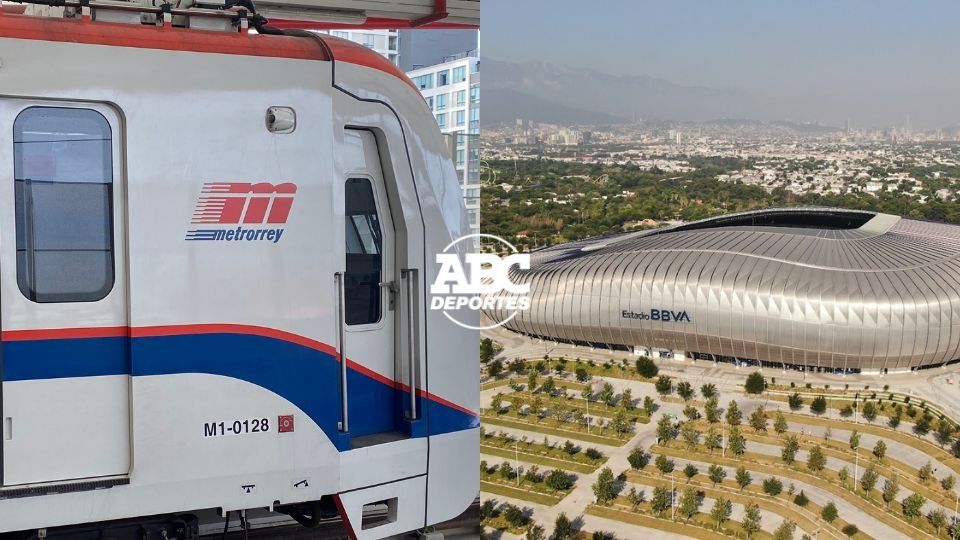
x,y
338,278
413,336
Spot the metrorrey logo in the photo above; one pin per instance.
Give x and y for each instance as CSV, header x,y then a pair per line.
x,y
238,211
662,315
454,292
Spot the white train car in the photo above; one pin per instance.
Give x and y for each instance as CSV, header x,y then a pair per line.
x,y
215,252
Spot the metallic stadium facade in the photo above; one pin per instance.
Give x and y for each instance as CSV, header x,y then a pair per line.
x,y
804,288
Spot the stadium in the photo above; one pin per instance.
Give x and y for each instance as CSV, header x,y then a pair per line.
x,y
822,289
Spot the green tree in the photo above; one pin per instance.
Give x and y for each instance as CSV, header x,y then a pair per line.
x,y
536,532
665,429
660,500
734,416
743,477
948,482
685,390
829,512
689,503
626,400
721,511
922,425
795,401
780,423
646,367
558,480
890,490
514,515
663,464
755,383
735,441
496,402
772,486
758,420
532,381
712,439
708,391
619,424
938,518
869,411
785,530
801,499
926,472
689,433
506,471
790,447
712,410
635,498
581,374
751,520
854,440
716,474
913,505
536,407
944,433
549,386
818,406
690,471
563,528
486,350
869,478
664,385
604,487
638,458
606,394
850,529
880,449
648,405
816,460
495,368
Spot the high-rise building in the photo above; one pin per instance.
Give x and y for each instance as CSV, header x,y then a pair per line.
x,y
452,91
384,42
419,48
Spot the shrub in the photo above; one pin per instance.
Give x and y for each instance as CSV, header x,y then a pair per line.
x,y
850,529
801,499
755,383
829,512
646,367
593,453
772,486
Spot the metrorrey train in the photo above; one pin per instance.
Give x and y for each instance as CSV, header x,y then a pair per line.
x,y
213,255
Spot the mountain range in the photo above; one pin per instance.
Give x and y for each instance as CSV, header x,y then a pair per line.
x,y
564,95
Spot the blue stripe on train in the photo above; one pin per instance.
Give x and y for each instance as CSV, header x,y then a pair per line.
x,y
306,377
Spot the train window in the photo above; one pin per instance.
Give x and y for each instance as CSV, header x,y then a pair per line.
x,y
364,254
63,183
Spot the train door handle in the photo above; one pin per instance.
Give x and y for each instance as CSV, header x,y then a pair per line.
x,y
411,281
393,289
339,279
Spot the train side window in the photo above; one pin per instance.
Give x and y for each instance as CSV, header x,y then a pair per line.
x,y
63,183
364,245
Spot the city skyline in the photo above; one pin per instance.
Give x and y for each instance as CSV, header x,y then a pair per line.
x,y
870,63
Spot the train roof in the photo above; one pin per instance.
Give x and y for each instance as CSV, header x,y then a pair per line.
x,y
313,46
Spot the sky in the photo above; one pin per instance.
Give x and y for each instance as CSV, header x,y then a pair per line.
x,y
883,60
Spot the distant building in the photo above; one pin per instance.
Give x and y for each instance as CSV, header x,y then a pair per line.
x,y
384,42
420,48
452,91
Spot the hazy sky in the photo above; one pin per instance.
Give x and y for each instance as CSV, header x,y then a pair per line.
x,y
879,58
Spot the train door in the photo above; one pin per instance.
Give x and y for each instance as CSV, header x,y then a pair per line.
x,y
64,368
369,297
